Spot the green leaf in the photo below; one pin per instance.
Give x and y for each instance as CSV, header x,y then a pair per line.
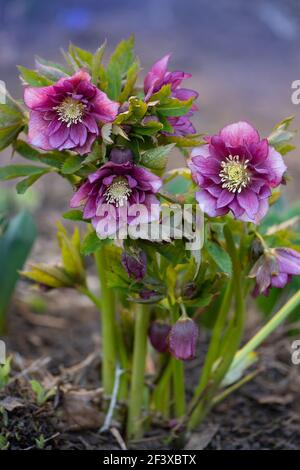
x,y
281,135
17,171
92,243
9,134
71,164
23,185
175,107
26,150
15,246
97,67
131,78
51,276
73,214
10,116
163,95
187,141
149,128
82,57
33,78
220,257
106,131
157,158
120,62
70,252
51,70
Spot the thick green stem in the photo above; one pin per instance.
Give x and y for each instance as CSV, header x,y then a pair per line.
x,y
134,421
272,324
229,343
108,326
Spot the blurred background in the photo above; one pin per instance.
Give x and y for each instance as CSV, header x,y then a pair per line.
x,y
244,57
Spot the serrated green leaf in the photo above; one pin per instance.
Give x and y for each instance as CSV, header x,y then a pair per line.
x,y
73,214
71,164
97,67
9,134
174,107
157,158
130,81
106,131
33,78
51,70
92,243
23,185
82,57
16,171
119,63
220,257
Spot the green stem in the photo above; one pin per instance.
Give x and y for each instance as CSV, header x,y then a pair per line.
x,y
230,342
107,325
272,324
134,421
178,374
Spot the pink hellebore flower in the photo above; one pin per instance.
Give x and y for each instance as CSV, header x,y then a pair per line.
x,y
159,76
275,269
66,115
114,189
236,171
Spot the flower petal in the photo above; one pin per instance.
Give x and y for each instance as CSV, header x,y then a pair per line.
x,y
239,133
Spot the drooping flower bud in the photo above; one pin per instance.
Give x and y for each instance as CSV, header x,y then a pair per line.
x,y
121,155
182,339
158,335
135,264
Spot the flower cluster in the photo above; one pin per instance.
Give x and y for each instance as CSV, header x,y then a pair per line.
x,y
110,139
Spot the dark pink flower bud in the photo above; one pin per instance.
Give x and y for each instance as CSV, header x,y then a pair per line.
x,y
135,264
182,339
121,155
158,335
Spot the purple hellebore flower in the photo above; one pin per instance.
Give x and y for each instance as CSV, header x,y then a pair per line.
x,y
275,269
183,338
135,264
111,195
158,335
159,76
236,171
66,115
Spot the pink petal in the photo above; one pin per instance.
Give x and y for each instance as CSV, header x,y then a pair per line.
x,y
105,109
239,133
248,200
37,98
276,166
225,198
37,131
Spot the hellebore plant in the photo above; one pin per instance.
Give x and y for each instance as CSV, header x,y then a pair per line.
x,y
109,136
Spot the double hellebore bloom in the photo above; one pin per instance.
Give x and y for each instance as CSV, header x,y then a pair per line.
x,y
66,115
159,76
183,338
275,268
236,171
117,195
135,263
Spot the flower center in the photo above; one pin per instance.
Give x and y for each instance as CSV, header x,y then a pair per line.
x,y
118,192
70,111
234,174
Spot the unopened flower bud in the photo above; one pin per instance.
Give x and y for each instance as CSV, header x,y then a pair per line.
x,y
158,335
120,155
135,264
182,339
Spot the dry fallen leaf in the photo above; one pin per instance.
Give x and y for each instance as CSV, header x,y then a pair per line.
x,y
11,403
81,409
